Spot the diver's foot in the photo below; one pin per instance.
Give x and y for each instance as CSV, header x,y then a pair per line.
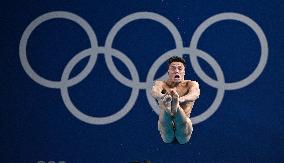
x,y
165,103
175,103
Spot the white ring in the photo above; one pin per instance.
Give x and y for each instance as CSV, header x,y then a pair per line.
x,y
120,24
25,37
230,16
90,119
197,53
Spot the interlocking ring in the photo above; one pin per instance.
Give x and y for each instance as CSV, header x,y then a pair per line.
x,y
263,44
26,35
98,120
208,59
135,83
120,24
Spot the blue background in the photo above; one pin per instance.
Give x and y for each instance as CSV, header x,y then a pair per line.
x,y
35,124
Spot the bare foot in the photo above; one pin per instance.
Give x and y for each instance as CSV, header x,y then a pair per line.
x,y
175,102
165,103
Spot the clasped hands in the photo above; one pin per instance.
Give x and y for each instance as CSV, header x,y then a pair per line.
x,y
173,94
170,101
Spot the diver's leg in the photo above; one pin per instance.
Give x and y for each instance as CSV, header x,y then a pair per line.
x,y
165,126
183,126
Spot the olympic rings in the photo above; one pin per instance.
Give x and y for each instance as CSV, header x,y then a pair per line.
x,y
230,16
135,83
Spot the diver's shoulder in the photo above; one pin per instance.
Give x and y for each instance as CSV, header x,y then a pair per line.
x,y
158,82
191,83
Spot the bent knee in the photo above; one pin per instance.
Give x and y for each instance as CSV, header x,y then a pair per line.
x,y
168,137
166,132
183,139
183,133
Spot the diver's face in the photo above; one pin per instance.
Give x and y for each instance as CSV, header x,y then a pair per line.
x,y
176,72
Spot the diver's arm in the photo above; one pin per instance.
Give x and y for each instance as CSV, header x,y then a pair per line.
x,y
192,94
156,91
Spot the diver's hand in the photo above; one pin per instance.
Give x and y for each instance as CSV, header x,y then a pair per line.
x,y
183,100
174,93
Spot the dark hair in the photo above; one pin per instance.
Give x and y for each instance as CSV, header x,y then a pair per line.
x,y
176,59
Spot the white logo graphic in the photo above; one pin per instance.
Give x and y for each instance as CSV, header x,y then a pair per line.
x,y
135,83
